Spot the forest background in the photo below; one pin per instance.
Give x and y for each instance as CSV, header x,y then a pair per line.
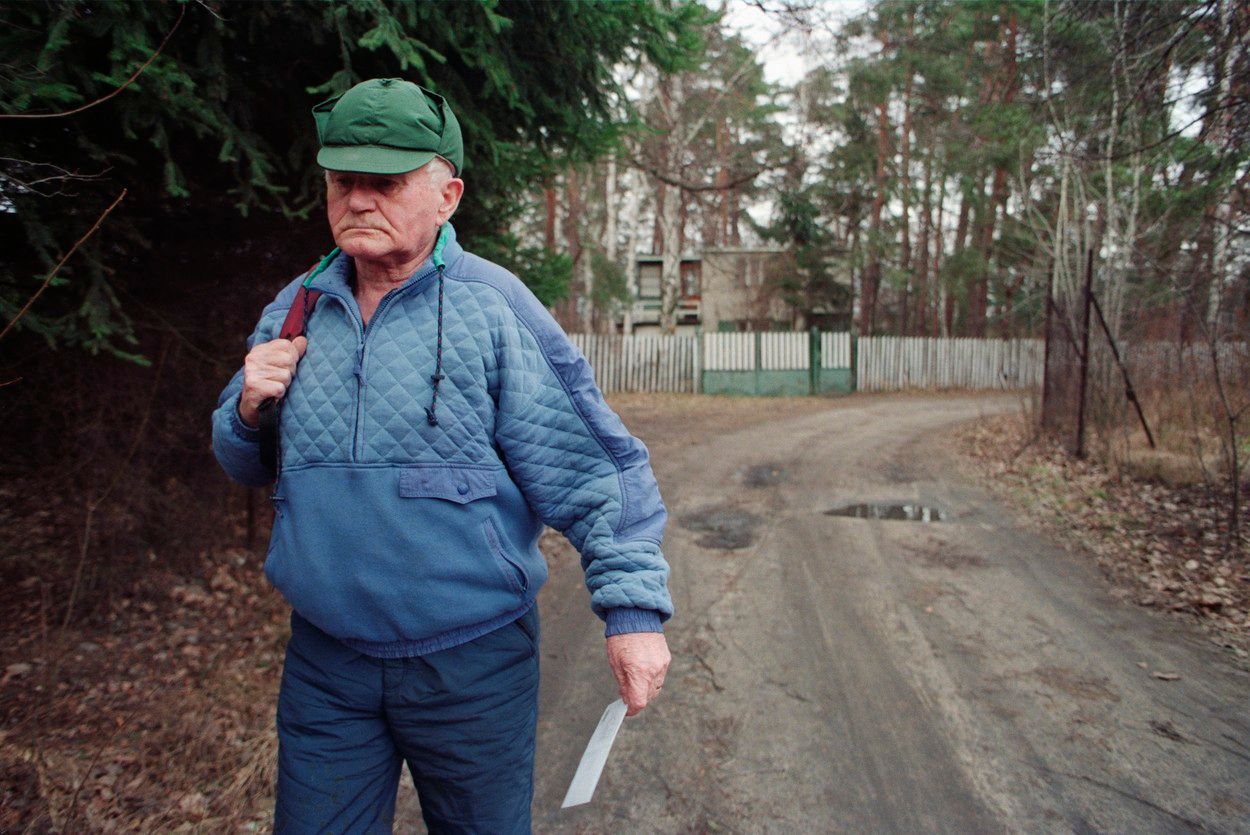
x,y
939,169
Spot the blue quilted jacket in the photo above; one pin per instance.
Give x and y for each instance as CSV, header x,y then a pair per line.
x,y
402,536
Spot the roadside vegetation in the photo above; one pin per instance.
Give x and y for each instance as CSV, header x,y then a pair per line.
x,y
1158,521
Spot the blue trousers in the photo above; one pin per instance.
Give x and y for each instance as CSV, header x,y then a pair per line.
x,y
463,718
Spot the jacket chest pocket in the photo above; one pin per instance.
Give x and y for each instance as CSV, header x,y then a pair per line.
x,y
455,484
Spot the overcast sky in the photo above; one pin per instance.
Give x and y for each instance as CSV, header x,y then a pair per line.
x,y
786,56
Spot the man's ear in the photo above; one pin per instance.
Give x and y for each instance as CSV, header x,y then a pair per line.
x,y
452,191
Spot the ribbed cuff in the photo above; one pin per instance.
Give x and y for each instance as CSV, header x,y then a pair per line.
x,y
625,620
245,432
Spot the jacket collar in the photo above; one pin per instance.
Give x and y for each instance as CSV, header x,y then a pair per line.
x,y
337,277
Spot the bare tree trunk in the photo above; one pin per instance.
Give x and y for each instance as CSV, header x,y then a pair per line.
x,y
1220,265
549,230
978,296
938,243
733,199
922,259
634,186
609,210
683,218
905,189
657,229
668,215
670,269
580,301
872,273
605,320
716,228
961,243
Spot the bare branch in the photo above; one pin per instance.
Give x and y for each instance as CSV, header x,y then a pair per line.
x,y
104,98
671,180
209,9
61,175
60,264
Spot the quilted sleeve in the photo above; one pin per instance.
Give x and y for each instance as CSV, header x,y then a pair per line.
x,y
237,445
579,467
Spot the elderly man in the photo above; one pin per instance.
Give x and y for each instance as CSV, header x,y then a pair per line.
x,y
433,417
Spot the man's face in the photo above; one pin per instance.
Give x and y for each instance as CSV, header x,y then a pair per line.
x,y
390,218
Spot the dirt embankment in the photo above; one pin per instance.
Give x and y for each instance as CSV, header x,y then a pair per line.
x,y
1164,544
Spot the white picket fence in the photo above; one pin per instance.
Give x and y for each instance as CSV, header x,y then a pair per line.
x,y
894,363
729,351
675,363
639,362
835,350
736,351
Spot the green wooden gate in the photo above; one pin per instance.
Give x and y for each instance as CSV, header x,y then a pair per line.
x,y
775,363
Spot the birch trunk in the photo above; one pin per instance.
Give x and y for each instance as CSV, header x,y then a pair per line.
x,y
668,215
872,273
905,190
1219,256
922,258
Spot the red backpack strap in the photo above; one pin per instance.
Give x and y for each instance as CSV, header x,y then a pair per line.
x,y
295,324
297,317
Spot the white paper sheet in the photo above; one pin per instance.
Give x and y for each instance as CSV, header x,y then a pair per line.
x,y
588,770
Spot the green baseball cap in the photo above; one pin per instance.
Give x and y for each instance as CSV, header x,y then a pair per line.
x,y
387,126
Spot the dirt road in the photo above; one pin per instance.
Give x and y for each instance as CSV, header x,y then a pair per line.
x,y
839,674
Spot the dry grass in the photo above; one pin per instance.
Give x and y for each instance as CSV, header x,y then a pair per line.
x,y
1188,414
1164,543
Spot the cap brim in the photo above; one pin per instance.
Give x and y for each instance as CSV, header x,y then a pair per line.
x,y
372,159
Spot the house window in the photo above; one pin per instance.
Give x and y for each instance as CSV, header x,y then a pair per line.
x,y
649,281
750,270
690,279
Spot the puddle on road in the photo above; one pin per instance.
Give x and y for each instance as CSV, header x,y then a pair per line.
x,y
723,527
764,475
897,511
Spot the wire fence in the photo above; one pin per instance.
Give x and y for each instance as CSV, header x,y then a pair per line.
x,y
1115,383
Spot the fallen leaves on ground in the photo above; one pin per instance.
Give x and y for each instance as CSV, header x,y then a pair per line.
x,y
1164,546
157,717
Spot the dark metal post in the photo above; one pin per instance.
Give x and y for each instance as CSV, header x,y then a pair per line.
x,y
1129,392
758,361
1086,295
854,340
813,361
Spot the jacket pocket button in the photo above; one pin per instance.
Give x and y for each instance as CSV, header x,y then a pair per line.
x,y
462,488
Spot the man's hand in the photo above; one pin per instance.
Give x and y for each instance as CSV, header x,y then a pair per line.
x,y
639,660
267,371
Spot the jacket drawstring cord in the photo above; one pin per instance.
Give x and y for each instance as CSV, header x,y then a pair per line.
x,y
438,354
443,234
